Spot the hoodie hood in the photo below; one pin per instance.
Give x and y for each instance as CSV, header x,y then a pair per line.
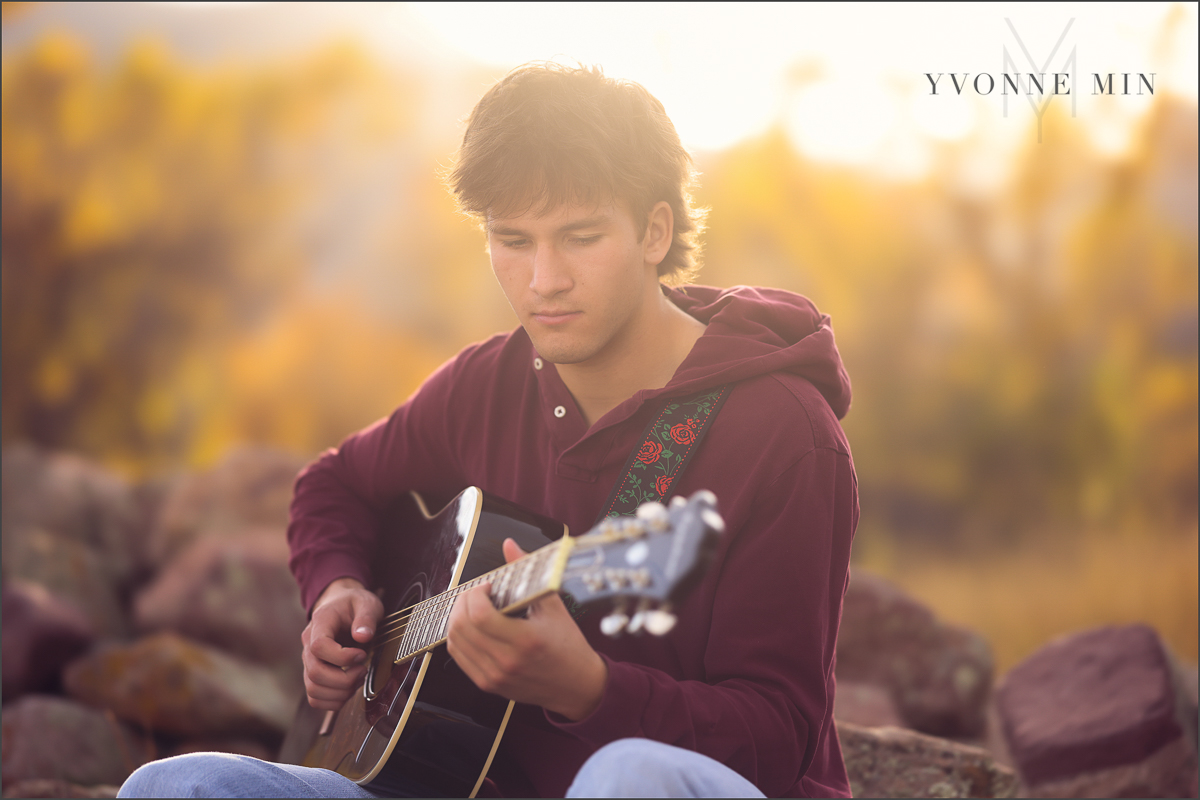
x,y
753,331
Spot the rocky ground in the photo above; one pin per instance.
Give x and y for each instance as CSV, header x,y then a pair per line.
x,y
145,621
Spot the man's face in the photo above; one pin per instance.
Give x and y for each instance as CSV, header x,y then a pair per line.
x,y
578,277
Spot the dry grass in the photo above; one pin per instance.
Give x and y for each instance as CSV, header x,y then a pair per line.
x,y
1020,600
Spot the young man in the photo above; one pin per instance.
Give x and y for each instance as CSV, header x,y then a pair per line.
x,y
581,184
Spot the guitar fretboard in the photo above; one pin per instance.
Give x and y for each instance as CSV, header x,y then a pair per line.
x,y
513,585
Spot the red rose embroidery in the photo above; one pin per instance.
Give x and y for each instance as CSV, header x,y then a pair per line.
x,y
663,484
683,434
649,452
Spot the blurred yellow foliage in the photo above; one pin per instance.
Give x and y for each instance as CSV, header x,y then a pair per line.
x,y
195,257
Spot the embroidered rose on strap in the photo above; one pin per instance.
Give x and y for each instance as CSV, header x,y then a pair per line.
x,y
683,433
663,484
650,452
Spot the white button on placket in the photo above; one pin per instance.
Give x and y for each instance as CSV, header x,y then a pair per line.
x,y
560,412
537,363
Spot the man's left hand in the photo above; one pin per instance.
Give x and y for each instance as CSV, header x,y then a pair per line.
x,y
542,659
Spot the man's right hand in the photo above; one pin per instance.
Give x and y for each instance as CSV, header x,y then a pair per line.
x,y
331,671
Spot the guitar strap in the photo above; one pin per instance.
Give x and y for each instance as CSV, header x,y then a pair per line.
x,y
665,450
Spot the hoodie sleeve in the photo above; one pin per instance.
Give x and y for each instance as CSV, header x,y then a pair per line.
x,y
766,700
334,517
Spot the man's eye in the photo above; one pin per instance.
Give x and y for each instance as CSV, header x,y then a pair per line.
x,y
587,239
514,244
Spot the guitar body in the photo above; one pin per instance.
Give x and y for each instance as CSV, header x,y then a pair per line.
x,y
421,728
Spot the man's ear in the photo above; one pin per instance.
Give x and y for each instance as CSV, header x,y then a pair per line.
x,y
660,230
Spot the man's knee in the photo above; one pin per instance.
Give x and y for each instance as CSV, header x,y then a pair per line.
x,y
645,768
190,775
631,768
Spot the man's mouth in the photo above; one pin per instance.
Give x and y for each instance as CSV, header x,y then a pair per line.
x,y
555,317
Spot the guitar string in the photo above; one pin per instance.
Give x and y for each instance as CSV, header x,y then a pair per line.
x,y
436,604
399,619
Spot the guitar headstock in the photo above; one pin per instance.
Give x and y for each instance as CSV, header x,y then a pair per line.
x,y
644,564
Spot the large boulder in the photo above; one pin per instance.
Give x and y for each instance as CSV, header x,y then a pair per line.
x,y
75,528
892,762
42,633
48,737
52,787
1100,714
866,704
939,675
72,570
234,593
170,685
77,500
252,486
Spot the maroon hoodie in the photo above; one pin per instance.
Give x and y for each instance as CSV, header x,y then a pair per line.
x,y
746,676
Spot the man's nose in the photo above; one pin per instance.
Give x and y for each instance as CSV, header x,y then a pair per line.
x,y
551,272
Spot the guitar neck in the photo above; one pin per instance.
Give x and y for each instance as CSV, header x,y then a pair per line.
x,y
513,587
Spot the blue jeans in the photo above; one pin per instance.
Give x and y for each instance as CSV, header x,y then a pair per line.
x,y
625,768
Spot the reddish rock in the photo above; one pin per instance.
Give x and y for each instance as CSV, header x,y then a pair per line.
x,y
939,675
252,486
49,787
865,704
170,685
236,594
48,737
891,762
1098,714
41,634
75,499
74,571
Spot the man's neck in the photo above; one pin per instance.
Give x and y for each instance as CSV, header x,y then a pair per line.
x,y
645,358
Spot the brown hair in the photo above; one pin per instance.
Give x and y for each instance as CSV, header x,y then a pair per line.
x,y
548,134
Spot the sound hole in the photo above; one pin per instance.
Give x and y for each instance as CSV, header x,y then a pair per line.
x,y
383,653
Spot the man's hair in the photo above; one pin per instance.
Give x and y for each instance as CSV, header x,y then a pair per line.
x,y
549,134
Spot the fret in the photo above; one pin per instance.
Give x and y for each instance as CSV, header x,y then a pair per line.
x,y
503,588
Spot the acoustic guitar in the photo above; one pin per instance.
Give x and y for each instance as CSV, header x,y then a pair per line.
x,y
418,726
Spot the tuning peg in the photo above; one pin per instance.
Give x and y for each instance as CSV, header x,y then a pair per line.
x,y
678,502
706,497
632,527
658,622
655,516
614,623
639,618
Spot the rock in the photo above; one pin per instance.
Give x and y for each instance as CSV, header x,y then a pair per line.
x,y
891,762
168,684
75,499
41,634
236,594
865,704
50,787
1098,714
72,570
939,675
48,737
252,486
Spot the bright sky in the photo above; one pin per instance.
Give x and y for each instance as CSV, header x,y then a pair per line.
x,y
847,80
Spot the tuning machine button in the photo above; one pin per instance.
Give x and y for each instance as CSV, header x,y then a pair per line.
x,y
614,623
655,516
639,618
658,621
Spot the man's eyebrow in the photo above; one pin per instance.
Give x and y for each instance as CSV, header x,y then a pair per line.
x,y
587,222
